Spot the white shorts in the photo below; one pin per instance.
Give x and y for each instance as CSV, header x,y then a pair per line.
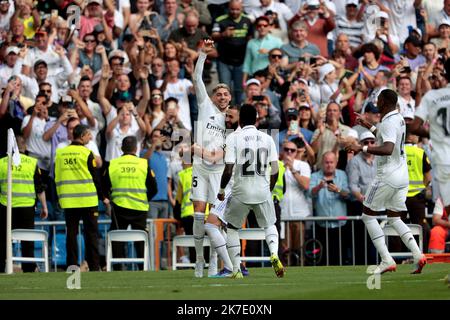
x,y
218,209
381,196
205,185
236,212
441,183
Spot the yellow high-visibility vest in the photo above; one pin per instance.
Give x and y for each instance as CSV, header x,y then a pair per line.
x,y
23,190
74,184
414,156
187,207
128,175
277,191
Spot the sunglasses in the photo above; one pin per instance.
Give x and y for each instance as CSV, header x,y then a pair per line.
x,y
156,96
262,25
276,56
366,143
47,91
89,40
289,150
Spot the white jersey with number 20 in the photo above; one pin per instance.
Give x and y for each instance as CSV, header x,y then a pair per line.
x,y
251,151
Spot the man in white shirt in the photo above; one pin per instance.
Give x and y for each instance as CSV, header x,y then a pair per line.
x,y
208,160
252,155
6,68
435,107
387,193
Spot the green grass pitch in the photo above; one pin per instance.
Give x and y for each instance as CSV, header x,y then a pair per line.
x,y
346,282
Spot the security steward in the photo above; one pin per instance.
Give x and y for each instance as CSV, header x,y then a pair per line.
x,y
79,190
133,185
278,194
419,170
184,208
26,183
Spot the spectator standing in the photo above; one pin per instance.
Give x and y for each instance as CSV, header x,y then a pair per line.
x,y
284,13
231,32
295,204
26,184
79,189
329,190
132,185
361,171
298,45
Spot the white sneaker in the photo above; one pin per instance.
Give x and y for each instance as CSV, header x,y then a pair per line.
x,y
383,267
212,269
199,266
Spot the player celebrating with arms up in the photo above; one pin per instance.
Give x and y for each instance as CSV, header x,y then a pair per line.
x,y
208,163
387,194
255,156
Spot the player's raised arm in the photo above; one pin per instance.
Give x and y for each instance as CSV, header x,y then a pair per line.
x,y
199,85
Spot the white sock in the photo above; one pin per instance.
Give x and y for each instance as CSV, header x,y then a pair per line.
x,y
234,248
199,235
219,244
405,234
377,236
272,239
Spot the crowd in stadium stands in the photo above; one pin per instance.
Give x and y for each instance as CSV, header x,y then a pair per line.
x,y
125,68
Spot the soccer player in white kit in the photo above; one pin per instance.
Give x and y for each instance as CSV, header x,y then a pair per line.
x,y
387,193
208,164
435,107
253,157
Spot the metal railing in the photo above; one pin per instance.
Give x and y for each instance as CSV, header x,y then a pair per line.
x,y
155,237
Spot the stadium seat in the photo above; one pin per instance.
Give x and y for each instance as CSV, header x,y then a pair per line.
x,y
184,241
127,236
254,234
416,230
32,235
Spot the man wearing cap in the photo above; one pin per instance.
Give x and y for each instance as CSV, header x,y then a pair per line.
x,y
293,128
6,67
371,114
254,89
361,171
94,17
257,52
349,24
413,47
442,39
298,46
42,73
284,13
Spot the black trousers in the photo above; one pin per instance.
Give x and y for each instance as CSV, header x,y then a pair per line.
x,y
90,217
121,219
22,218
187,223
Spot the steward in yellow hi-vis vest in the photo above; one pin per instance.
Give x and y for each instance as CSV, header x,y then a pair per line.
x,y
419,171
132,184
78,189
26,184
280,189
